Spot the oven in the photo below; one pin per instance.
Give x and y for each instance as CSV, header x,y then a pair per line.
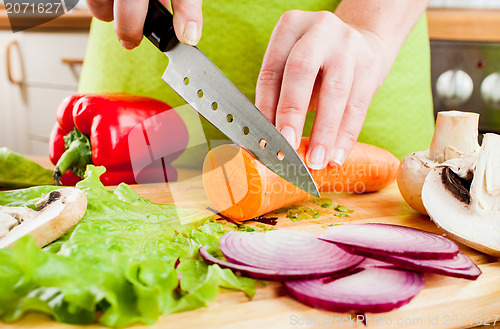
x,y
466,76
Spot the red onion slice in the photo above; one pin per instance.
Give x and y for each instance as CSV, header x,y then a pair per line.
x,y
299,253
250,271
373,290
260,273
459,266
392,239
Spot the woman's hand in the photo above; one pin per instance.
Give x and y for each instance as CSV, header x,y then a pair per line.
x,y
335,65
129,16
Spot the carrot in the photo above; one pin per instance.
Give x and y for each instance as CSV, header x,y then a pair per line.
x,y
368,168
241,188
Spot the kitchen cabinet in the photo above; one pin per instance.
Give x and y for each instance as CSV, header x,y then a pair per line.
x,y
40,68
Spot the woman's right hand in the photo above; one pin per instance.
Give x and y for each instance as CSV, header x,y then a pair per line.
x,y
129,16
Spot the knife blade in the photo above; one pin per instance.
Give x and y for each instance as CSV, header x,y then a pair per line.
x,y
204,87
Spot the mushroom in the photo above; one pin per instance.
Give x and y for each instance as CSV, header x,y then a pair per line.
x,y
468,211
57,212
454,142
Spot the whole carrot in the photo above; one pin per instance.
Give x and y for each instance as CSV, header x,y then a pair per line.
x,y
241,188
368,168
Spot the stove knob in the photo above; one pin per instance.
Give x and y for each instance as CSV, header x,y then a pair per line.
x,y
454,87
490,90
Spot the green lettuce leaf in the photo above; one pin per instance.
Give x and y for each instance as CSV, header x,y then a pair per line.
x,y
19,171
127,261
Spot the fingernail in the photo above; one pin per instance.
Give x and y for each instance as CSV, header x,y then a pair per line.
x,y
191,33
339,156
289,133
127,44
330,159
317,157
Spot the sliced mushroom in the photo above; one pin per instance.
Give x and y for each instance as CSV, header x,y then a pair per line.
x,y
7,223
468,210
454,142
56,214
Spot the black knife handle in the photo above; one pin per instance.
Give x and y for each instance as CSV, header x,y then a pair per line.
x,y
159,27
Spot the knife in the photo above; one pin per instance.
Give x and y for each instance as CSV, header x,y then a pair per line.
x,y
204,87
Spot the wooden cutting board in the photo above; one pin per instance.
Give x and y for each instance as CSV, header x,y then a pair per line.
x,y
443,303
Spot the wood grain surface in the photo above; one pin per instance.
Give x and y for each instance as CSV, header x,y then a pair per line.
x,y
77,19
443,303
464,24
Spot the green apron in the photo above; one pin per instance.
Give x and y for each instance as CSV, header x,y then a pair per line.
x,y
235,37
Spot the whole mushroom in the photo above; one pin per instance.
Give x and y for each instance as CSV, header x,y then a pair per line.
x,y
455,142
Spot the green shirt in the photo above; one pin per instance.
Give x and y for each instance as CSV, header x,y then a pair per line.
x,y
235,37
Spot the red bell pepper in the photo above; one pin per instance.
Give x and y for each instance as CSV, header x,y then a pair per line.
x,y
135,137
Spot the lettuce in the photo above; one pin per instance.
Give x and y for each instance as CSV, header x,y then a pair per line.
x,y
19,171
127,261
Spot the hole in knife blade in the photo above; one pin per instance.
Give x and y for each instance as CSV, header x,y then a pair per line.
x,y
186,81
200,93
229,118
280,155
215,106
246,130
262,143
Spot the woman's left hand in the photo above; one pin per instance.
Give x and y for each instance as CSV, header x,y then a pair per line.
x,y
333,63
315,60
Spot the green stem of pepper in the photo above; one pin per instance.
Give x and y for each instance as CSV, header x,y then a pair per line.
x,y
77,156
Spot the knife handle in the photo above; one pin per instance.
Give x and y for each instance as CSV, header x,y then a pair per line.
x,y
159,26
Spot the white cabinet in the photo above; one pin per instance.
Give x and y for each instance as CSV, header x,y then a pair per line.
x,y
44,68
11,96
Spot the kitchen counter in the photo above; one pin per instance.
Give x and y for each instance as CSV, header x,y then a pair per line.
x,y
444,23
444,302
77,19
464,24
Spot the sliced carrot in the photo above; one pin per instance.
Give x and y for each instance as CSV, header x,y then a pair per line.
x,y
241,188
